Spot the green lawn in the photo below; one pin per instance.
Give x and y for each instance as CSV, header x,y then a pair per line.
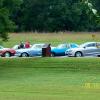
x,y
50,79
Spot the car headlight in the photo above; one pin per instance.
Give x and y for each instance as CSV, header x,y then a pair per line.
x,y
68,51
17,52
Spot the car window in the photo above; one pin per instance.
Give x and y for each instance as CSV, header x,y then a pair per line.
x,y
73,45
91,45
1,47
98,45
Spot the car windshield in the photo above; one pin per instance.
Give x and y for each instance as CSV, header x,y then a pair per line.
x,y
37,46
15,47
82,45
1,47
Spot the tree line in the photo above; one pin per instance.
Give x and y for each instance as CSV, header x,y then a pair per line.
x,y
49,15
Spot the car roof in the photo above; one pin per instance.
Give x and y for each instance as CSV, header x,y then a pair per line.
x,y
89,42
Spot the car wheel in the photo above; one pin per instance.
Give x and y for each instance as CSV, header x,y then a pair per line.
x,y
52,54
78,54
7,54
24,55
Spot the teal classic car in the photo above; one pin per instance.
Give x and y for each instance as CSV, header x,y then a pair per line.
x,y
61,48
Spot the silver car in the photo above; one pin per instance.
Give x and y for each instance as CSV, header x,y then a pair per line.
x,y
86,49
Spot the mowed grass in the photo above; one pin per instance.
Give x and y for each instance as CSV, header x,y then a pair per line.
x,y
53,38
50,79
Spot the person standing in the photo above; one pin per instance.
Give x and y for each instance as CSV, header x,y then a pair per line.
x,y
27,44
49,50
21,45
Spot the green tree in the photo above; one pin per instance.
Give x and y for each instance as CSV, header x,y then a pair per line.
x,y
6,24
57,15
96,4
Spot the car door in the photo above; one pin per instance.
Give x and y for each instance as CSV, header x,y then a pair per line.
x,y
98,48
1,48
60,51
37,51
65,47
90,49
34,52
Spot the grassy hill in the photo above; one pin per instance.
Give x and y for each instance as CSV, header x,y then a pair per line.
x,y
50,79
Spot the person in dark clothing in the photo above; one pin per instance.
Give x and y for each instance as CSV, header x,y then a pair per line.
x,y
21,46
49,50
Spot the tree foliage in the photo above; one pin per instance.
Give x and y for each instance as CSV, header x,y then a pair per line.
x,y
6,10
57,15
49,15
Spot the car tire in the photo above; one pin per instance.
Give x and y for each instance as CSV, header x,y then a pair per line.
x,y
78,54
24,54
7,54
52,54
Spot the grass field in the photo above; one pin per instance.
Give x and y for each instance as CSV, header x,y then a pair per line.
x,y
53,38
50,79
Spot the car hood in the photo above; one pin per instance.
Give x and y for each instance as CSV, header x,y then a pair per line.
x,y
6,49
76,49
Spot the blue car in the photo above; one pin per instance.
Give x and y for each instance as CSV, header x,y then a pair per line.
x,y
61,48
35,50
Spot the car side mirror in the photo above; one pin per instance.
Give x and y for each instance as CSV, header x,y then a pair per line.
x,y
84,47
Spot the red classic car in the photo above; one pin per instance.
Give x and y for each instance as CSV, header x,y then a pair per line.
x,y
6,52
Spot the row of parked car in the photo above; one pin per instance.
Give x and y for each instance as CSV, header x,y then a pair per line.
x,y
65,49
